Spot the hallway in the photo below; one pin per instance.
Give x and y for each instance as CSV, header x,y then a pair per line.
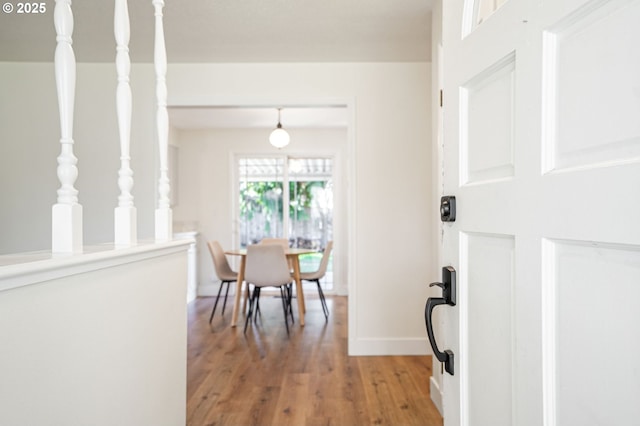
x,y
267,378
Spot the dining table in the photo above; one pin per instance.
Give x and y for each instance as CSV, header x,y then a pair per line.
x,y
293,256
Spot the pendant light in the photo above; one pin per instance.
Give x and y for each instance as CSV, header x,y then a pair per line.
x,y
279,137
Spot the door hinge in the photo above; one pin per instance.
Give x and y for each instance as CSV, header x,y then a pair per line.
x,y
441,98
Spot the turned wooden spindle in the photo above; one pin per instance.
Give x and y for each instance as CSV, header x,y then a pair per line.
x,y
125,214
163,212
66,213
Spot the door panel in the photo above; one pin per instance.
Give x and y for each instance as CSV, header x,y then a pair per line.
x,y
488,262
542,151
591,121
487,124
593,320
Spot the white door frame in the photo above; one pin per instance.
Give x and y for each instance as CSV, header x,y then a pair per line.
x,y
345,248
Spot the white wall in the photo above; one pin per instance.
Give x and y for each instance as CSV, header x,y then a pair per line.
x,y
389,176
389,179
206,191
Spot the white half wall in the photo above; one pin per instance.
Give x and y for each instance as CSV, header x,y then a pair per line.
x,y
95,339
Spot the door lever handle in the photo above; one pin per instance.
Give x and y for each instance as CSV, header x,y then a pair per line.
x,y
448,286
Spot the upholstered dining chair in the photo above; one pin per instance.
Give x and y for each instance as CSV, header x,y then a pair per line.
x,y
316,276
266,266
281,241
223,271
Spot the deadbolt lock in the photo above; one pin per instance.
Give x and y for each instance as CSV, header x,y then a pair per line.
x,y
448,208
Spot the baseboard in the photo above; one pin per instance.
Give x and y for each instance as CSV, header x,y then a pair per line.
x,y
384,347
436,394
211,289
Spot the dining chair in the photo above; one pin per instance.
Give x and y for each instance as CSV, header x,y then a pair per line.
x,y
266,266
223,271
281,241
285,244
316,276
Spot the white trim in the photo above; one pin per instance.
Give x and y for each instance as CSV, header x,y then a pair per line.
x,y
352,207
209,289
34,268
462,359
549,90
388,347
436,394
235,203
549,326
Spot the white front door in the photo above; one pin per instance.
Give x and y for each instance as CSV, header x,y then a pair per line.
x,y
542,151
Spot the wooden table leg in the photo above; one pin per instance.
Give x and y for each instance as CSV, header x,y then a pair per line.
x,y
236,302
299,293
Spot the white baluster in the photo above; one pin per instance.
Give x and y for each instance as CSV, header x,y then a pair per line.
x,y
66,213
163,212
125,214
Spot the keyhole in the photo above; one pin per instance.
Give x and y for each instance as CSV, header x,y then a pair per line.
x,y
444,209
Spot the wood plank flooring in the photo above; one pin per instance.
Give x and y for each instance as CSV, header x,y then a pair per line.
x,y
268,378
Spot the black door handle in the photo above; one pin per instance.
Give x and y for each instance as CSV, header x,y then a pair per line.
x,y
448,286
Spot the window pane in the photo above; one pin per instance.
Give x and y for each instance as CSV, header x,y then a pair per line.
x,y
309,198
260,199
311,210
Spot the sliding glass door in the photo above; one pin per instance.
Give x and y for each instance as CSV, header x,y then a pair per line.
x,y
307,220
310,202
260,199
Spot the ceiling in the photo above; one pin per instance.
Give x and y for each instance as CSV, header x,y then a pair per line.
x,y
240,31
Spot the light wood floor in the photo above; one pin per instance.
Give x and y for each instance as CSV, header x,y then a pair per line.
x,y
267,378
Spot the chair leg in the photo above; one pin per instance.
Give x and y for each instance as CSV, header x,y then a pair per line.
x,y
226,295
285,307
258,307
256,304
289,300
215,305
323,301
252,300
247,296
